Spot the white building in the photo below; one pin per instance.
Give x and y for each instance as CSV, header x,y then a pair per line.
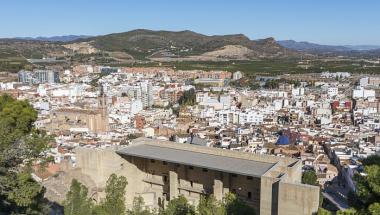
x,y
363,82
360,92
142,91
146,93
332,91
253,117
298,91
237,75
335,74
136,106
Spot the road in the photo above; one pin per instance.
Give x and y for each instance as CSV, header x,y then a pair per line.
x,y
336,199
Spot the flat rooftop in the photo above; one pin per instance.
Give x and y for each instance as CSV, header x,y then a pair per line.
x,y
194,156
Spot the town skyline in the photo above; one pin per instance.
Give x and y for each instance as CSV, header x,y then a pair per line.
x,y
197,107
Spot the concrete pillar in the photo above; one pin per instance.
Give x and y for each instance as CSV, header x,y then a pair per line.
x,y
218,189
173,186
226,183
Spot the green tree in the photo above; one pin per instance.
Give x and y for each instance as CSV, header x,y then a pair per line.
x,y
349,211
179,206
77,201
20,143
188,98
208,205
138,207
235,206
294,82
366,199
309,177
374,208
254,86
322,211
24,195
371,160
114,203
272,84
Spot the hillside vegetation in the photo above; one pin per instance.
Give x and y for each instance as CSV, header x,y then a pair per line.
x,y
145,43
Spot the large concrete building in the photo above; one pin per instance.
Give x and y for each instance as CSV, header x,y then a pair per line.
x,y
38,76
143,91
159,171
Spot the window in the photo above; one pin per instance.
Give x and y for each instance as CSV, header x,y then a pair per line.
x,y
233,175
191,183
152,161
249,195
205,170
165,178
190,167
249,177
164,163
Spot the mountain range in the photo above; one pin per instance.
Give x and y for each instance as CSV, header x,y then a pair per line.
x,y
142,44
65,38
291,44
168,44
318,49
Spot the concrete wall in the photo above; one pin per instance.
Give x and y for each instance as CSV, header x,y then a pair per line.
x,y
247,189
158,181
269,196
167,180
99,164
283,193
297,199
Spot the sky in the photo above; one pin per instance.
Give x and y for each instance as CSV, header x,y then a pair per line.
x,y
338,22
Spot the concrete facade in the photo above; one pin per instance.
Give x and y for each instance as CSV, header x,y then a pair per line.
x,y
276,190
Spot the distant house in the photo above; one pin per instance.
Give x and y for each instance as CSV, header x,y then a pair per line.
x,y
237,75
